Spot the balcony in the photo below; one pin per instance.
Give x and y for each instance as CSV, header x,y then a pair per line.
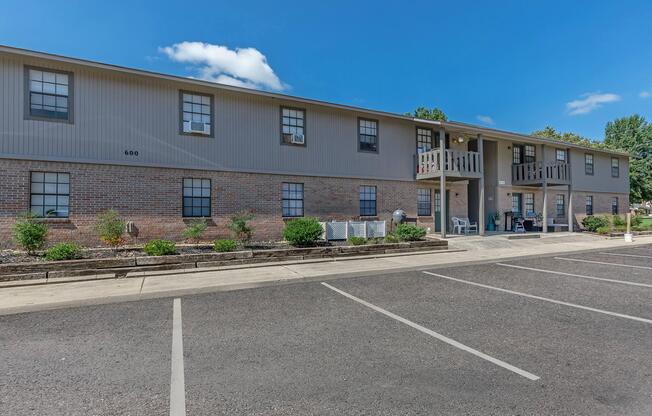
x,y
534,173
457,164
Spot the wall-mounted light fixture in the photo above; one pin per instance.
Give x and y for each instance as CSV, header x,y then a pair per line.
x,y
460,140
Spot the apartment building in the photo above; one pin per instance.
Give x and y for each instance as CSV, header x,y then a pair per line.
x,y
81,137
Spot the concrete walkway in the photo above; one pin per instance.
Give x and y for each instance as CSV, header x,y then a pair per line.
x,y
478,249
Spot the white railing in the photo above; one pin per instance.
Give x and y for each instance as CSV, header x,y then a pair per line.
x,y
455,163
535,172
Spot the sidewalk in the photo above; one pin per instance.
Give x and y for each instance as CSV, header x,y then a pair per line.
x,y
478,250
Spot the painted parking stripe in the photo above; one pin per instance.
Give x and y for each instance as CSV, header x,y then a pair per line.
x,y
177,383
436,335
624,282
604,263
628,255
559,302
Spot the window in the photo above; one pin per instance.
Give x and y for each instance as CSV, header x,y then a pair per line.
x,y
615,167
424,140
292,199
293,126
196,108
424,202
196,197
529,204
530,153
50,194
560,155
614,205
517,154
367,135
560,206
589,205
588,164
49,94
367,201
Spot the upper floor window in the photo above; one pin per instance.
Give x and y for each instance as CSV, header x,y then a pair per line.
x,y
614,205
196,197
367,201
530,153
615,167
292,199
196,113
560,155
589,205
367,135
588,164
293,126
424,202
517,154
424,140
50,94
50,194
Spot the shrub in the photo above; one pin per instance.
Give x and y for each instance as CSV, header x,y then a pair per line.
x,y
110,227
159,248
410,232
592,223
29,233
357,241
391,238
240,227
618,221
225,245
603,230
302,232
195,229
637,220
63,251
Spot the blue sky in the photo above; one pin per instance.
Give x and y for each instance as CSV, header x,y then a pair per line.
x,y
516,64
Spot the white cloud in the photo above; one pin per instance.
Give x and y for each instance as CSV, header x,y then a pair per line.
x,y
242,67
645,94
590,102
486,120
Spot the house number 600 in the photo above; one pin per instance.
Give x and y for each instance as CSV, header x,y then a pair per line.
x,y
131,152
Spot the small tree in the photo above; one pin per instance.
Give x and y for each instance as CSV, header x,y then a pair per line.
x,y
110,228
195,229
29,233
240,227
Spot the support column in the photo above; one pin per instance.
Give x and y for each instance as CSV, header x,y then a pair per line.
x,y
570,193
481,213
545,189
442,181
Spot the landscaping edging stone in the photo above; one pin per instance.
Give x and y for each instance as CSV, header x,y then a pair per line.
x,y
131,266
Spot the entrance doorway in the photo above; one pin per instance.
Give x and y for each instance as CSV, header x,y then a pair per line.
x,y
438,211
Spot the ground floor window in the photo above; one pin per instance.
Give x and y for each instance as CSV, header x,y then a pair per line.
x,y
424,199
367,201
196,197
614,205
50,194
292,199
561,208
529,204
517,204
589,205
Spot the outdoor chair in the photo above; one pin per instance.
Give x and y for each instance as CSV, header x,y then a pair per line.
x,y
519,225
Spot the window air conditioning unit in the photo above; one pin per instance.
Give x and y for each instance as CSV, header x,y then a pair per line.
x,y
297,139
196,127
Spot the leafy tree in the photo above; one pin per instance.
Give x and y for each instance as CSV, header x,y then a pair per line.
x,y
427,114
568,137
633,134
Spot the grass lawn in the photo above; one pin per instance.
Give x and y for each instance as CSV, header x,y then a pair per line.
x,y
646,221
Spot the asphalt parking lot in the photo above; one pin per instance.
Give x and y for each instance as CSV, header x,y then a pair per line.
x,y
565,334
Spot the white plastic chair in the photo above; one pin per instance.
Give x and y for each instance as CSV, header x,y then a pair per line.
x,y
458,225
519,226
469,226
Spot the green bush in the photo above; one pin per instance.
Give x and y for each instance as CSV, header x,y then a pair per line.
x,y
159,248
410,232
637,220
195,229
357,241
225,245
240,227
618,221
603,230
63,251
110,227
303,232
592,223
29,233
391,238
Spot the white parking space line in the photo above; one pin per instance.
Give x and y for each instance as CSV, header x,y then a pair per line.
x,y
604,263
177,384
434,334
628,255
527,295
624,282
